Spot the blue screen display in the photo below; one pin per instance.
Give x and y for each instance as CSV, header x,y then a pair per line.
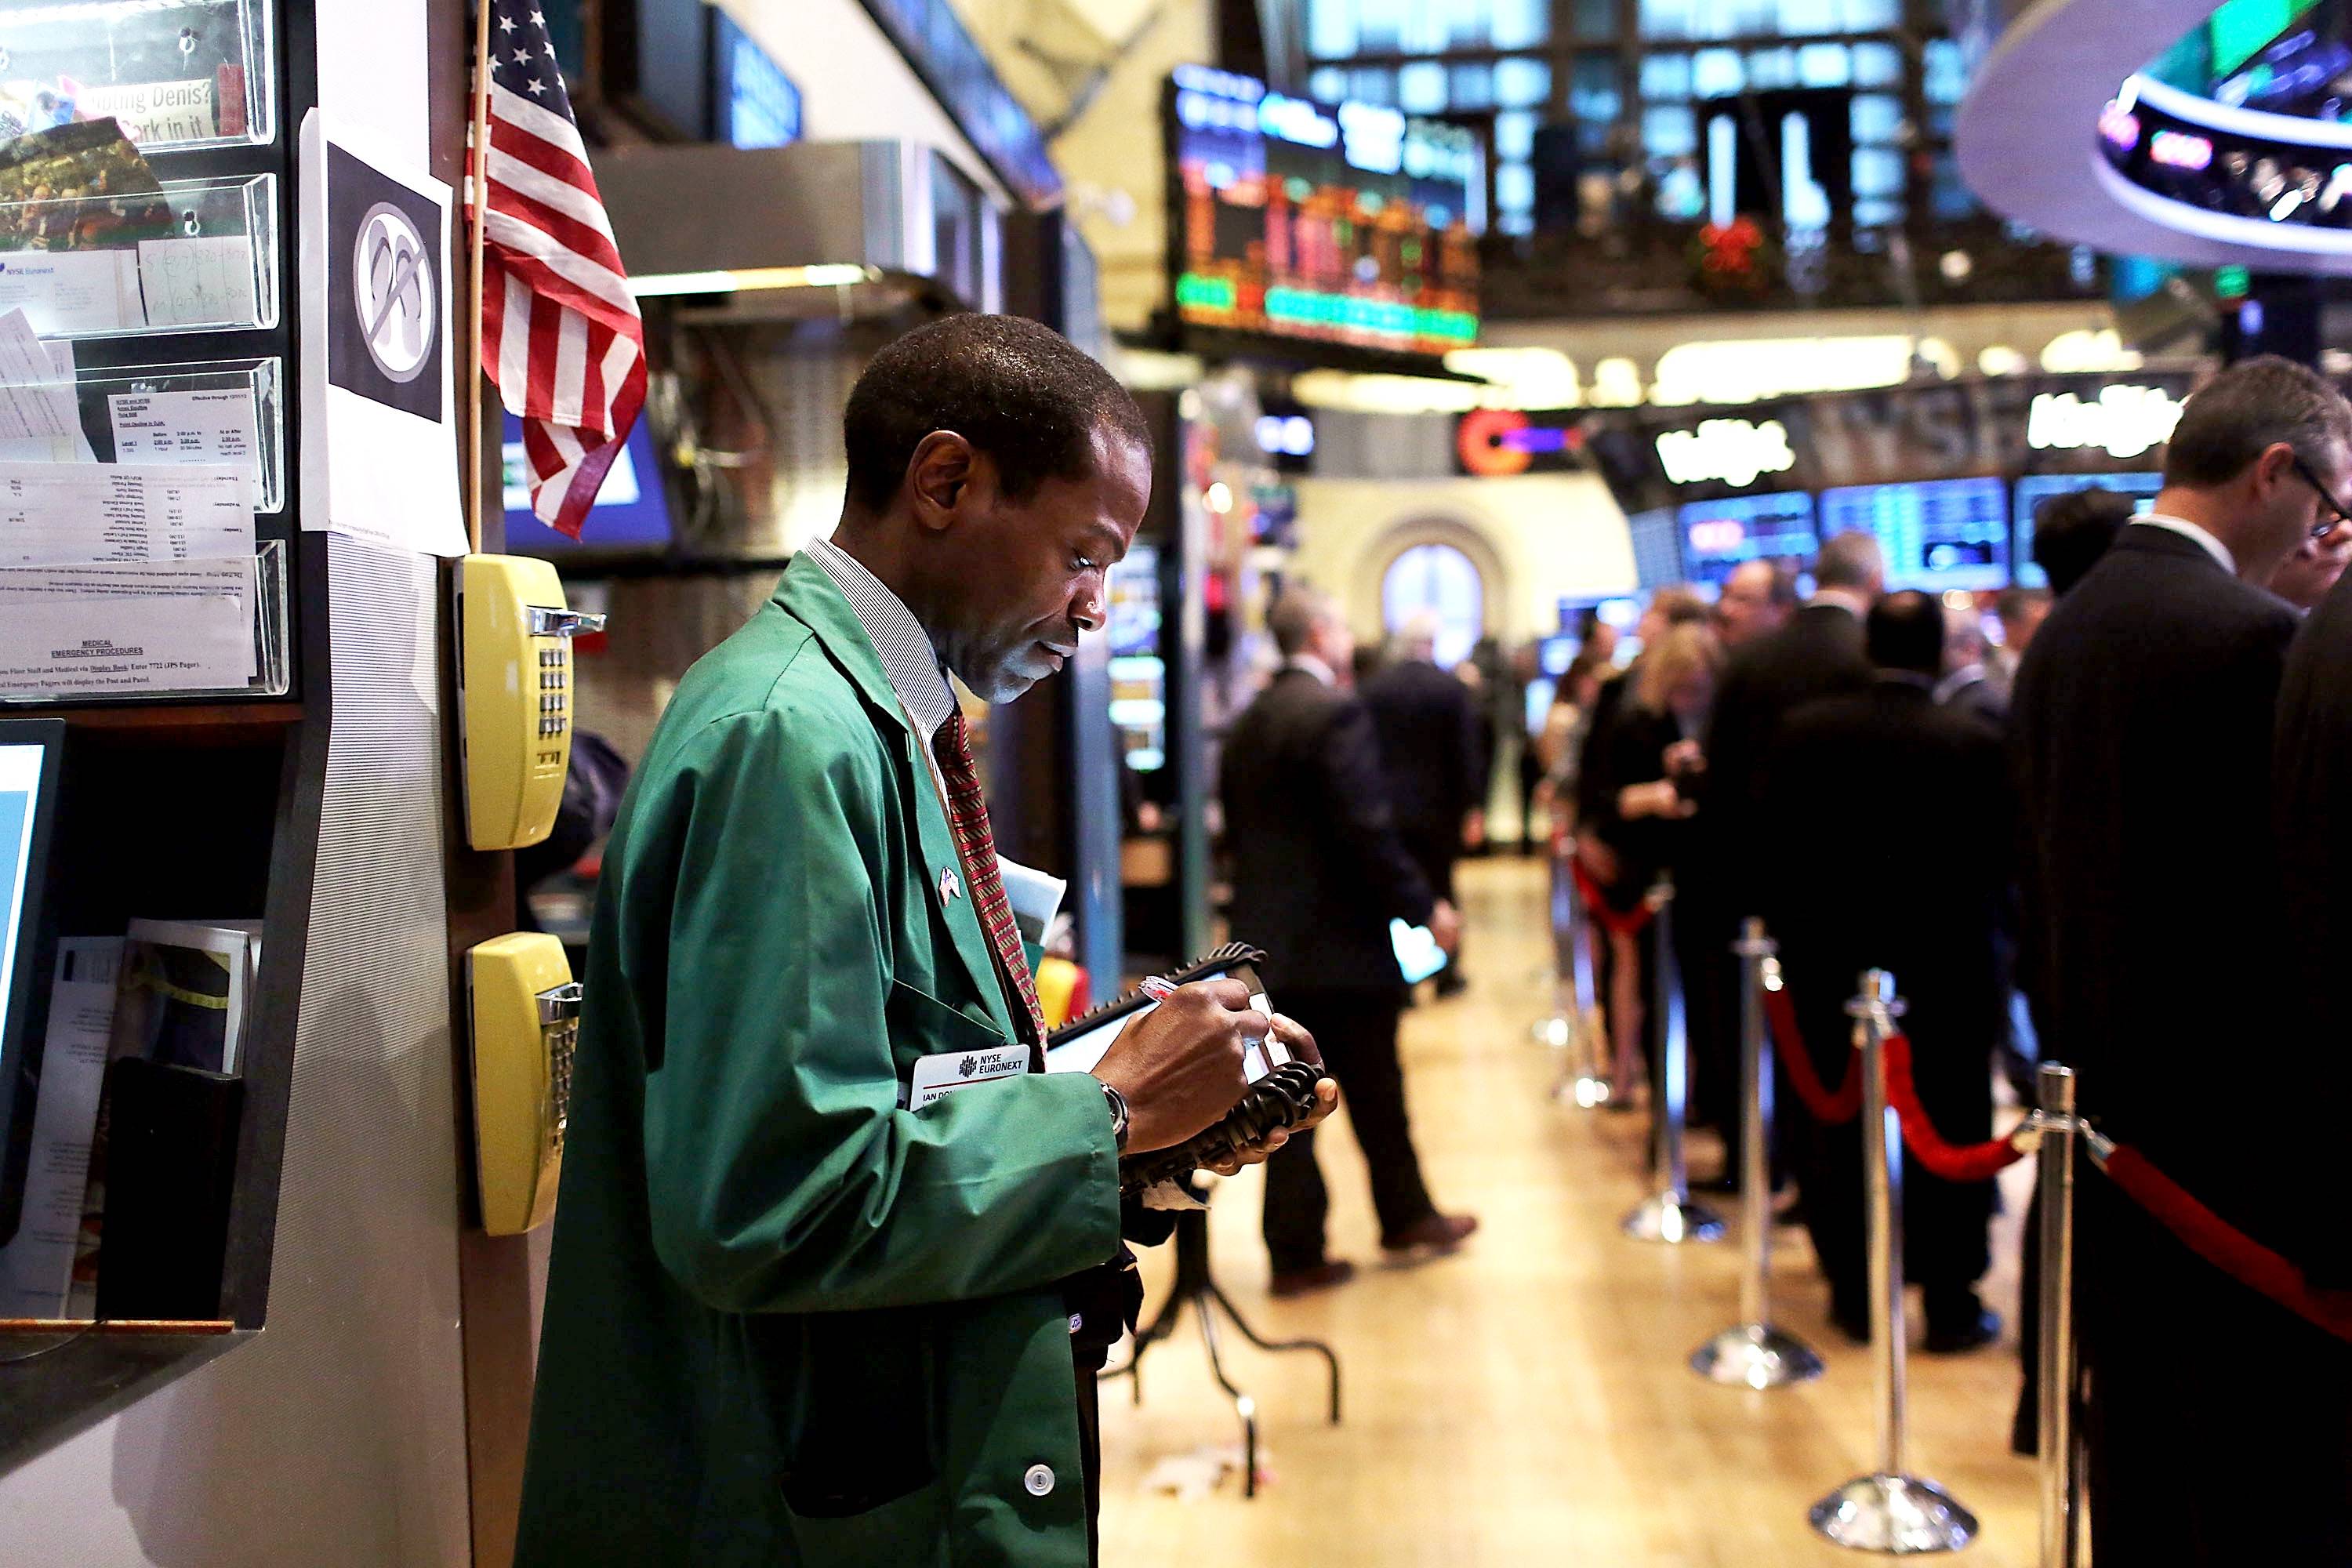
x,y
2035,489
1936,533
757,104
631,513
1718,535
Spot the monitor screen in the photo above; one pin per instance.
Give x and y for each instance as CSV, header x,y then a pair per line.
x,y
1349,223
1138,674
1657,547
1936,533
29,751
1719,535
2035,489
630,512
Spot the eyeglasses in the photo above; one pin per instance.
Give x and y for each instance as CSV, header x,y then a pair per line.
x,y
2334,516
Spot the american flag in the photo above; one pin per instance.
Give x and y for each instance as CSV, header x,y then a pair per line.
x,y
560,334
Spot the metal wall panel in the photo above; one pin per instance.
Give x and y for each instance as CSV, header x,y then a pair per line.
x,y
336,1436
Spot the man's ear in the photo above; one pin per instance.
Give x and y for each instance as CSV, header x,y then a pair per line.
x,y
940,477
2276,464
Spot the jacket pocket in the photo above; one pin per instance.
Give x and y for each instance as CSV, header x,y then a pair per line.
x,y
851,1396
921,1026
909,1532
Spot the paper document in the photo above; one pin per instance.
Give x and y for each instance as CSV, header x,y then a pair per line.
x,y
203,281
37,1266
106,628
189,427
1034,896
58,513
74,291
35,405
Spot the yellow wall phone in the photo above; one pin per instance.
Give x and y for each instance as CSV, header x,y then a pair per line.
x,y
526,1020
514,697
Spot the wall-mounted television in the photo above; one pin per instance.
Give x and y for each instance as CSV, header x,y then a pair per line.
x,y
1351,224
2035,489
631,511
1719,535
1937,534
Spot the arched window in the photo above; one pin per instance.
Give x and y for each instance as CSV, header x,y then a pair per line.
x,y
1439,579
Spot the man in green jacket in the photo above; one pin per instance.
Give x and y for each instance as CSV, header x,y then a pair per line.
x,y
827,1242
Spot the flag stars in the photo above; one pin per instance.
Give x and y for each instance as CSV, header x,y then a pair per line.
x,y
522,56
505,24
538,20
534,87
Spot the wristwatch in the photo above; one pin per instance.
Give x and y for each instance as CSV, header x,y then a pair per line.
x,y
1118,1116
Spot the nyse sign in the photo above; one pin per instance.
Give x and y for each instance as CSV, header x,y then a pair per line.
x,y
2123,422
1735,451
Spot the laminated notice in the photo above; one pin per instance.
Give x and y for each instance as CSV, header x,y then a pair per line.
x,y
108,628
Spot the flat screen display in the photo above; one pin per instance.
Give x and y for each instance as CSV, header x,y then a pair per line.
x,y
29,753
1720,535
1938,534
1349,223
2035,489
20,801
631,513
1139,675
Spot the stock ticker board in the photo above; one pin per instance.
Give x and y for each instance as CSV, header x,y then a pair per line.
x,y
1351,224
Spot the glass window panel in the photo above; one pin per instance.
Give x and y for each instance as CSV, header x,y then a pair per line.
x,y
1514,133
1374,86
1716,73
1331,27
1946,78
1514,188
1877,64
1872,16
1669,131
1877,214
1666,77
1420,88
1875,118
1596,20
1941,119
1329,84
1771,68
1800,17
1520,84
1877,171
1472,87
1593,137
1822,65
1665,18
1520,23
1593,90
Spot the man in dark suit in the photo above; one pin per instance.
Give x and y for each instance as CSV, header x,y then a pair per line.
x,y
1429,750
1319,872
1892,844
2142,736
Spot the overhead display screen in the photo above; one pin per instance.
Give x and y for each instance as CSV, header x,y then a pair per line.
x,y
1718,535
1348,224
1937,534
630,511
2035,489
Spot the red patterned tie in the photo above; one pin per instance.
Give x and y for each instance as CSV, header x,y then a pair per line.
x,y
968,819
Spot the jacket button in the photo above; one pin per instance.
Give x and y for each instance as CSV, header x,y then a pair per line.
x,y
1039,1480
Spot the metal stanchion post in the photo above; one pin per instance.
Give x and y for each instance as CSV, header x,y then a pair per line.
x,y
1573,1027
2056,1372
1668,1214
1752,1353
1887,1510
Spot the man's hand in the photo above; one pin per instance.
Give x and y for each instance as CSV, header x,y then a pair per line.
x,y
1179,1067
1326,1099
1683,758
1446,925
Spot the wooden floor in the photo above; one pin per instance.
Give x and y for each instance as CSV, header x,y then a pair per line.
x,y
1528,1401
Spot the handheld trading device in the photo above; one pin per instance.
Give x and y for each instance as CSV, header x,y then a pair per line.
x,y
1281,1090
514,696
30,754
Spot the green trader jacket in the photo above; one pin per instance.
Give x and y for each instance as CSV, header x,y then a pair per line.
x,y
787,1322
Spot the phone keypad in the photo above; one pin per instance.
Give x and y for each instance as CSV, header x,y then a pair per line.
x,y
554,699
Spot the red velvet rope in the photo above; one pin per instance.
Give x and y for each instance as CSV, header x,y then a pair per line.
x,y
1829,1109
2223,1246
1954,1163
1628,924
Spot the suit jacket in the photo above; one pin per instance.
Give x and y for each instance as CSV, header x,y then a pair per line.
x,y
1318,869
2141,733
1428,732
1818,653
2313,759
787,1322
1634,752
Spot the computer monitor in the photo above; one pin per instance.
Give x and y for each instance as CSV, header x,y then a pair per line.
x,y
1719,535
30,758
631,510
2034,489
1937,534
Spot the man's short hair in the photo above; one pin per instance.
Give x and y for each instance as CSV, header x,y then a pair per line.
x,y
1014,388
1293,616
1850,560
1905,631
2073,530
1680,606
1782,590
2010,604
2253,404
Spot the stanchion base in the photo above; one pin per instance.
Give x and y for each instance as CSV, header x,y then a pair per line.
x,y
1590,1093
1558,1031
1674,1219
1899,1515
1756,1355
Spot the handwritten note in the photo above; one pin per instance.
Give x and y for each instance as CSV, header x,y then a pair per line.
x,y
203,281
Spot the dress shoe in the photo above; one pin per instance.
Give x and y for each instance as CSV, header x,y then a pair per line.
x,y
1322,1276
1434,1237
1960,1337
